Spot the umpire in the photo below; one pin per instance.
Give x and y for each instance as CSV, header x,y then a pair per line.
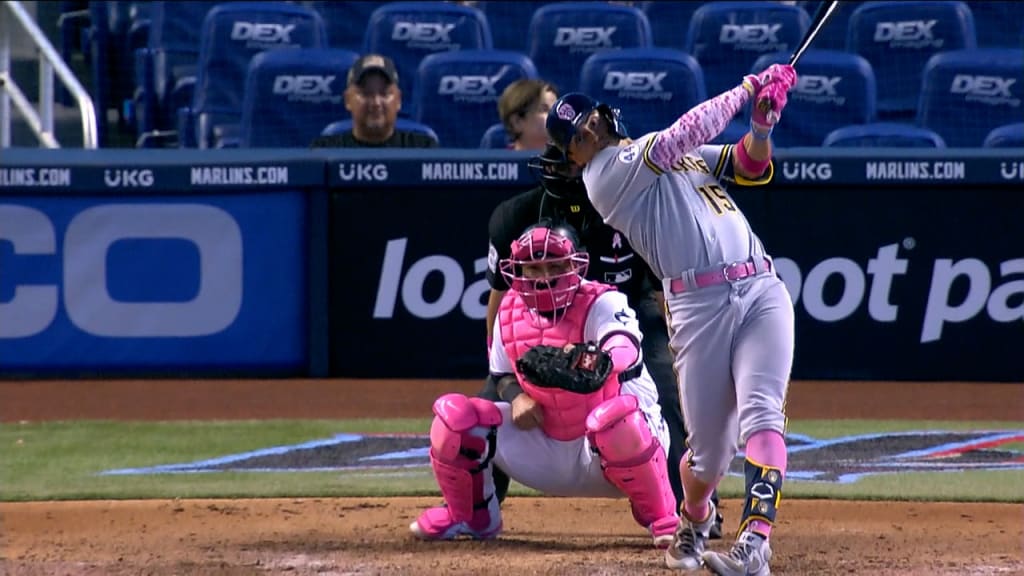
x,y
562,199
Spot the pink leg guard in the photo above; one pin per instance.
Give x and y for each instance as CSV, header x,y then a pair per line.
x,y
462,440
634,461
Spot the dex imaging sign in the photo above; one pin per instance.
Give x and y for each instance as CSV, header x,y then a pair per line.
x,y
84,290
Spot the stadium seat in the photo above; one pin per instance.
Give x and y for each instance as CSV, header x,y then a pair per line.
x,y
409,31
508,20
495,137
833,34
897,37
727,38
165,69
965,94
1006,136
345,21
652,86
232,34
833,89
998,24
563,35
457,92
883,135
404,124
291,94
733,132
670,20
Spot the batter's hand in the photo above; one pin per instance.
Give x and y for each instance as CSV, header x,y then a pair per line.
x,y
526,413
776,73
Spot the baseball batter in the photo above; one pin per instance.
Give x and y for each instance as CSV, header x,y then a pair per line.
x,y
562,200
579,414
730,316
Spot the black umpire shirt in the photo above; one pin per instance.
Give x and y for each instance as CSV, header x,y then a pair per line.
x,y
612,259
399,139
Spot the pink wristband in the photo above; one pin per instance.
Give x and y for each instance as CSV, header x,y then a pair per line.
x,y
748,164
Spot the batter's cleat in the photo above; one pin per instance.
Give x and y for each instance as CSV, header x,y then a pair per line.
x,y
689,542
437,524
749,557
663,531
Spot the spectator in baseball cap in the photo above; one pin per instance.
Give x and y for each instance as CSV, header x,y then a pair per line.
x,y
374,99
523,108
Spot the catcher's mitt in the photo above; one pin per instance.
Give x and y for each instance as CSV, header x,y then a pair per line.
x,y
583,369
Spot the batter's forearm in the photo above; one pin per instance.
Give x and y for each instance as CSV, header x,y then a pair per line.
x,y
697,127
752,155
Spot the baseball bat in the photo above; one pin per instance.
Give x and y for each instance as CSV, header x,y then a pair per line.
x,y
824,12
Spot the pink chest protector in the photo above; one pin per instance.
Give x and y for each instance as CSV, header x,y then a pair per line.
x,y
565,413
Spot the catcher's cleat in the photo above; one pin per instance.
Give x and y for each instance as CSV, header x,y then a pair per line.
x,y
689,542
663,531
749,557
437,524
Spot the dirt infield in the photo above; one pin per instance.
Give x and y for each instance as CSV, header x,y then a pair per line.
x,y
347,536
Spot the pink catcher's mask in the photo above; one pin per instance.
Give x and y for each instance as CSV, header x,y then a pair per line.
x,y
545,269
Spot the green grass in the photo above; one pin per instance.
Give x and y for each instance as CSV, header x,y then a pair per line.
x,y
62,460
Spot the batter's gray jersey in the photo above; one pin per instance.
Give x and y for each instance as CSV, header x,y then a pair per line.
x,y
677,220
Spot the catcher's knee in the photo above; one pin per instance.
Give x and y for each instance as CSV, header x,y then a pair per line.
x,y
618,431
452,437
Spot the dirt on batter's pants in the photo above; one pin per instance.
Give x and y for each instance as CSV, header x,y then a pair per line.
x,y
658,359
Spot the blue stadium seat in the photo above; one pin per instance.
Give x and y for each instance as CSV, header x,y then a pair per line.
x,y
999,24
727,38
508,20
232,34
290,95
833,33
165,69
345,21
897,37
670,20
733,132
409,31
495,137
403,124
882,135
1006,136
833,89
652,86
967,93
563,35
457,92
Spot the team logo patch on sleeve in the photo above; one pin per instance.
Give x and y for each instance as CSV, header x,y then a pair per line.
x,y
629,154
492,257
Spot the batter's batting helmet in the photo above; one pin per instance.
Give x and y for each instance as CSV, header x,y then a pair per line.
x,y
546,267
561,179
571,111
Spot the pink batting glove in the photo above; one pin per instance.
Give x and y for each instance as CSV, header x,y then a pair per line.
x,y
768,106
776,73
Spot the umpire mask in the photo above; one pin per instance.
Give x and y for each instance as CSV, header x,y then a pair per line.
x,y
562,180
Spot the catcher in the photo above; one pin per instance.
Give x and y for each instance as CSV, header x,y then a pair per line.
x,y
579,414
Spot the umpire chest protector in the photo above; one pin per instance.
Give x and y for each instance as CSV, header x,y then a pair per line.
x,y
565,412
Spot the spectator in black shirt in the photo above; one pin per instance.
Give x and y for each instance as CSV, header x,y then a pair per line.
x,y
374,99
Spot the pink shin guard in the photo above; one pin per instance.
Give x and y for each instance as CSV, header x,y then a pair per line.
x,y
632,459
462,440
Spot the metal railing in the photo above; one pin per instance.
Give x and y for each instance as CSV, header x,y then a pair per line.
x,y
50,63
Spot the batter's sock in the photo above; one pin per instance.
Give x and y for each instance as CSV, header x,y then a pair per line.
x,y
765,468
695,502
